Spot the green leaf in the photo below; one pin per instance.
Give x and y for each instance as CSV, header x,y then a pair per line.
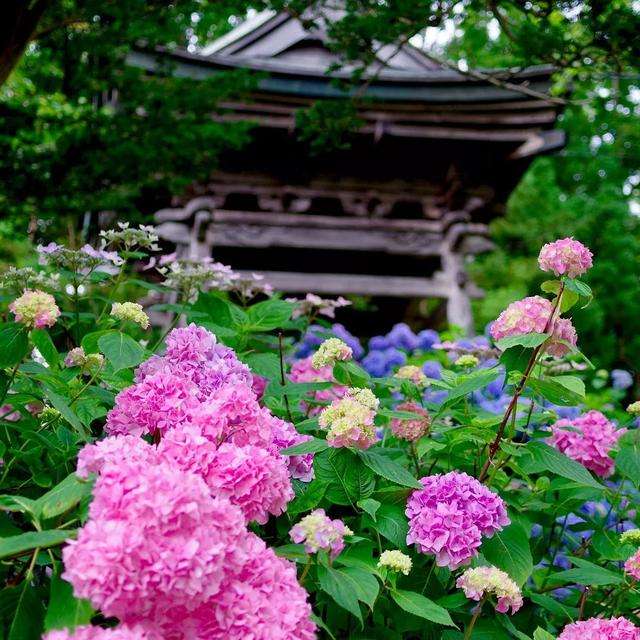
x,y
364,583
268,315
555,392
217,309
579,287
62,497
509,550
14,344
66,411
42,341
541,634
391,522
308,495
348,479
90,341
546,458
370,506
573,383
121,350
266,365
16,545
389,469
17,504
351,375
628,458
64,610
551,286
556,607
587,574
310,446
527,340
28,613
418,605
466,384
341,588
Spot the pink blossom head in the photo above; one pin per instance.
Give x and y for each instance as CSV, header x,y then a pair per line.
x,y
155,539
252,478
349,423
481,582
566,257
261,600
114,450
531,315
600,629
414,428
589,440
318,531
632,566
190,344
449,516
121,632
35,309
161,401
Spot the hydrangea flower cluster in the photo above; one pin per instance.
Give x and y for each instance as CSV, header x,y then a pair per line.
x,y
166,544
318,531
123,632
313,304
35,309
589,440
304,371
127,237
316,334
531,315
565,257
634,408
83,260
130,312
632,536
20,278
632,565
484,581
599,629
449,516
349,423
395,561
411,429
89,362
331,351
413,373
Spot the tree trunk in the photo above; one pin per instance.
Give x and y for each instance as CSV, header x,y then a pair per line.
x,y
18,22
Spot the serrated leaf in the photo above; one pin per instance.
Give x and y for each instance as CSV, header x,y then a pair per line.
x,y
383,466
28,614
66,611
266,365
308,495
418,605
121,350
310,446
340,588
391,522
348,479
555,392
14,344
541,634
509,550
370,506
526,340
62,497
268,315
42,341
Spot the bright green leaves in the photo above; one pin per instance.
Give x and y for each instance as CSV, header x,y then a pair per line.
x,y
526,340
64,610
121,350
509,550
347,478
268,315
15,545
418,605
314,445
380,463
566,391
14,344
348,587
63,497
42,341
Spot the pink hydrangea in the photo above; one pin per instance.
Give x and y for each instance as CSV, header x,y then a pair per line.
x,y
114,449
35,309
599,629
284,435
161,401
449,516
252,478
480,582
304,371
566,257
318,531
155,539
261,600
632,566
589,440
531,315
192,353
233,414
412,429
9,413
121,632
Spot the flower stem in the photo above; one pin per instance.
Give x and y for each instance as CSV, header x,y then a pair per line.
x,y
472,623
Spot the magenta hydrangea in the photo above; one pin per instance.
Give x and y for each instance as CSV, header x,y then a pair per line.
x,y
284,435
259,599
252,478
566,257
157,403
589,440
87,632
414,428
449,516
35,309
304,371
155,539
193,353
114,449
317,531
600,629
531,315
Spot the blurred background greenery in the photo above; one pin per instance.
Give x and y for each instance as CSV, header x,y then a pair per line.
x,y
66,153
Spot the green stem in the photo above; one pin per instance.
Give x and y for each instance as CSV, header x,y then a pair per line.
x,y
474,619
305,571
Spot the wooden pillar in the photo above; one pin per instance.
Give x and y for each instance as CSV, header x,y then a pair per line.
x,y
458,301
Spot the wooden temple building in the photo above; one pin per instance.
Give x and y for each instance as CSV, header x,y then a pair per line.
x,y
398,212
